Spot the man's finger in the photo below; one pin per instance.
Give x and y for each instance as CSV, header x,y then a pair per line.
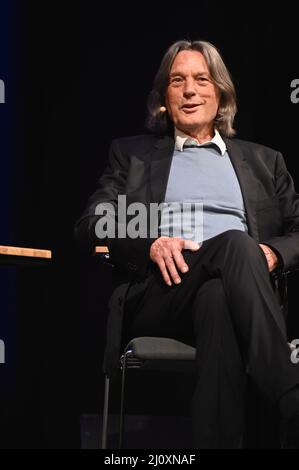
x,y
191,245
164,271
172,269
179,261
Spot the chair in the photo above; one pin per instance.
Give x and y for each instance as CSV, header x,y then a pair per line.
x,y
150,352
144,352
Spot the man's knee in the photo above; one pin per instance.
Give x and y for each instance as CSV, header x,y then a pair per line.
x,y
244,245
237,237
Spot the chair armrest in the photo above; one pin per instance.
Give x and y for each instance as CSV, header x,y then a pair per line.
x,y
102,252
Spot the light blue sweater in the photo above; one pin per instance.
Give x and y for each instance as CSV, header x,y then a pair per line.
x,y
206,179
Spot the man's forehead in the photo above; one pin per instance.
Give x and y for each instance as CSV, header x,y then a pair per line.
x,y
190,60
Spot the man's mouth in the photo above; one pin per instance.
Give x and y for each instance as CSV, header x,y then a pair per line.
x,y
190,107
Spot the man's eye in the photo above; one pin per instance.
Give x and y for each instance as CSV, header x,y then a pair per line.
x,y
176,80
204,80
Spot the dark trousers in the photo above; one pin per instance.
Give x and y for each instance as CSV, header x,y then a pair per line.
x,y
225,306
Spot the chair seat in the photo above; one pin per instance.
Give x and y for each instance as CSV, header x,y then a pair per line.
x,y
155,348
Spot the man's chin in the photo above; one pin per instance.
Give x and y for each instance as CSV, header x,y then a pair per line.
x,y
188,125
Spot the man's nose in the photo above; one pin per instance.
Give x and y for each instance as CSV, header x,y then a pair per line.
x,y
189,88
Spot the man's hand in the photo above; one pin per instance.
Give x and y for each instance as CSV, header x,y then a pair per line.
x,y
166,252
271,257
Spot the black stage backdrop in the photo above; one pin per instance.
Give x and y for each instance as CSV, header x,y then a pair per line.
x,y
79,76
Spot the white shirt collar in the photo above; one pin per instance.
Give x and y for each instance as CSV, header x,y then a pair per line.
x,y
181,138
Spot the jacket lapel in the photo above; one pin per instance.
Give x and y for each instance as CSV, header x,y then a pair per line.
x,y
248,184
161,159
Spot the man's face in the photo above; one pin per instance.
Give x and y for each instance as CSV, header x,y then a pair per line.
x,y
191,97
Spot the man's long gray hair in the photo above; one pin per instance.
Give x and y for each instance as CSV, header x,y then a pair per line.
x,y
160,122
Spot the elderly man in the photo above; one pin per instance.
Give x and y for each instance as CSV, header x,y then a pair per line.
x,y
212,286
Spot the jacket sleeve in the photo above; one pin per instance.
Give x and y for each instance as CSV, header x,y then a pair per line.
x,y
131,255
287,245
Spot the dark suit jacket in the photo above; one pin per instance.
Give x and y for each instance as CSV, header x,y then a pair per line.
x,y
139,167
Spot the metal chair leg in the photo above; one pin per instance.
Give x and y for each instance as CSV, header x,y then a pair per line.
x,y
105,413
122,399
